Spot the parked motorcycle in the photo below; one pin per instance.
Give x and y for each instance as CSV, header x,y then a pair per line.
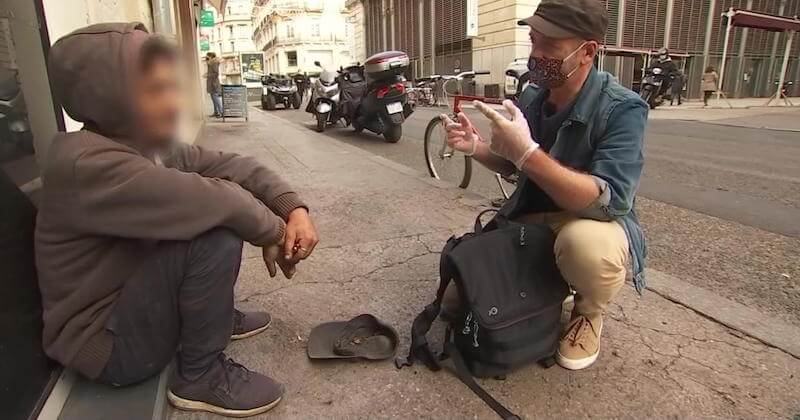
x,y
279,89
324,103
16,138
379,103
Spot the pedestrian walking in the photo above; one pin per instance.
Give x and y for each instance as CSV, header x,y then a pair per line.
x,y
213,86
676,89
709,84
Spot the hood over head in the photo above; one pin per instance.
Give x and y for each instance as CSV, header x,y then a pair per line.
x,y
92,71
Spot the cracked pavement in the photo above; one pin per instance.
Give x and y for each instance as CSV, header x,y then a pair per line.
x,y
381,227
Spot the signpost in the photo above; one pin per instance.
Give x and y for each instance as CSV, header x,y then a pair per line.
x,y
207,18
234,102
472,18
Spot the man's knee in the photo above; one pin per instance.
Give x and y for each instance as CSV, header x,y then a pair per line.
x,y
219,244
588,250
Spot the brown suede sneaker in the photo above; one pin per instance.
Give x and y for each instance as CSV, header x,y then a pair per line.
x,y
580,345
227,389
248,324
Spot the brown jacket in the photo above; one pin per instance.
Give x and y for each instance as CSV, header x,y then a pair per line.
x,y
212,76
104,204
709,82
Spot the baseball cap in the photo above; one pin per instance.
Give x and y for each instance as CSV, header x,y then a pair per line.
x,y
585,19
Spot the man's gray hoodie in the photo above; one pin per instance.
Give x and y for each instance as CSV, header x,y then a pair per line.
x,y
105,205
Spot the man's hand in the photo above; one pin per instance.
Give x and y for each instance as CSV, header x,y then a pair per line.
x,y
301,236
511,139
272,255
461,135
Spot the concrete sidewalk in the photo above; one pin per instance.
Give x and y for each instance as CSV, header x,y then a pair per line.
x,y
382,226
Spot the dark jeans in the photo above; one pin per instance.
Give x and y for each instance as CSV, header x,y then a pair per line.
x,y
181,297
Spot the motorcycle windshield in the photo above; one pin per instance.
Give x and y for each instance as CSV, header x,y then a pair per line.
x,y
327,77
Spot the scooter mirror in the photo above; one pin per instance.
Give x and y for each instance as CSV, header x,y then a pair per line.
x,y
316,63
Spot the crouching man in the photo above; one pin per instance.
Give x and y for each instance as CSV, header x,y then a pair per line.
x,y
139,238
577,144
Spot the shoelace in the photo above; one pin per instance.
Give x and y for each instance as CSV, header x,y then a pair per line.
x,y
579,330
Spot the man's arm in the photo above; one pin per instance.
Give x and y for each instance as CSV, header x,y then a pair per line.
x,y
607,191
245,171
119,193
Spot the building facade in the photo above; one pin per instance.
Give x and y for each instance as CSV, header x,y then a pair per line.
x,y
433,32
293,34
232,35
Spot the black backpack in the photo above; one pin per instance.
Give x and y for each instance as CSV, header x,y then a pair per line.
x,y
511,293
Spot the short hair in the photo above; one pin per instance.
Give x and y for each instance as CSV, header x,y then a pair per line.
x,y
211,54
156,48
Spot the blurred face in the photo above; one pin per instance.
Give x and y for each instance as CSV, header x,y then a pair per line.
x,y
157,101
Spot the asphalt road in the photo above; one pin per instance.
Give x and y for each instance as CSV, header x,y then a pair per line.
x,y
720,204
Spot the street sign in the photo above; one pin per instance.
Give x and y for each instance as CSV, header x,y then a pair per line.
x,y
207,18
472,18
205,45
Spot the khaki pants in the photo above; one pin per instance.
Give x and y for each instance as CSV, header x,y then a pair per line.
x,y
592,256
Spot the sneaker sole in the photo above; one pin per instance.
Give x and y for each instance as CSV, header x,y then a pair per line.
x,y
191,405
251,333
576,364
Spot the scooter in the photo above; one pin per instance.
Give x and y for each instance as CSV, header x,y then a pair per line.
x,y
384,105
324,103
654,84
16,138
279,90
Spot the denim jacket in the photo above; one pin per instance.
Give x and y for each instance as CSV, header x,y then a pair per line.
x,y
602,136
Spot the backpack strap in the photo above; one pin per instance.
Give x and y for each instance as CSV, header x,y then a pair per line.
x,y
420,350
463,374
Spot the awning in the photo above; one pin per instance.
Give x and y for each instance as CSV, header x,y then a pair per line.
x,y
749,19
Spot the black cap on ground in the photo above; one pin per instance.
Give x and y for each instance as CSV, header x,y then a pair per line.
x,y
584,19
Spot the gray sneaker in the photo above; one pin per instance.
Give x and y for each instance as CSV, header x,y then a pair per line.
x,y
227,389
248,324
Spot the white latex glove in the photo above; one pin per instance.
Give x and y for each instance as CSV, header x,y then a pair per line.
x,y
461,135
511,139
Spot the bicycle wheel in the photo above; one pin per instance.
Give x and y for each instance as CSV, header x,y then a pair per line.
x,y
443,162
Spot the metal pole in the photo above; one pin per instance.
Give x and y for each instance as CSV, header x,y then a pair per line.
x,y
712,4
385,37
392,43
776,36
784,67
421,42
668,22
737,87
433,36
725,51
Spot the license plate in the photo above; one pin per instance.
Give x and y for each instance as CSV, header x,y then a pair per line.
x,y
394,107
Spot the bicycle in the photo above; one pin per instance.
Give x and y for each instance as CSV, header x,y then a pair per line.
x,y
443,161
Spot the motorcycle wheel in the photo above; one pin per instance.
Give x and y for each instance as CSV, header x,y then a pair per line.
x,y
322,120
296,101
393,133
270,103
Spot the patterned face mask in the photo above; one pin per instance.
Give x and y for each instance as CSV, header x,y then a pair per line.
x,y
548,72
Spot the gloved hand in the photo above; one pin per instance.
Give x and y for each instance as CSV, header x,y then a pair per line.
x,y
461,135
511,139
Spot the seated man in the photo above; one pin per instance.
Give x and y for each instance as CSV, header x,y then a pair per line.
x,y
139,237
577,143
